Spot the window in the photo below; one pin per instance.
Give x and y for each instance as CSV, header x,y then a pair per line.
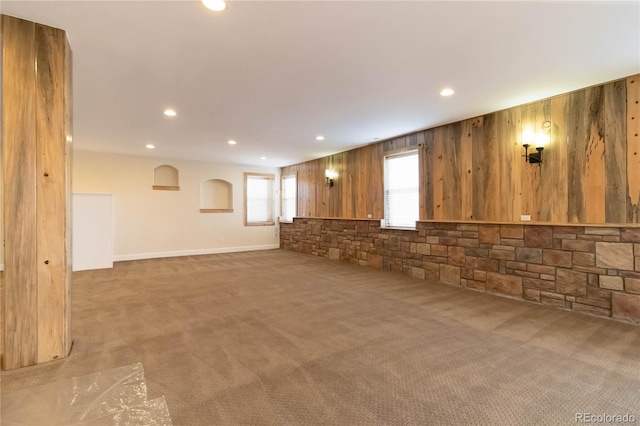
x,y
401,199
289,197
258,194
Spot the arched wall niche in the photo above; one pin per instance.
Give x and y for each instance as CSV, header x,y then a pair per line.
x,y
166,178
216,196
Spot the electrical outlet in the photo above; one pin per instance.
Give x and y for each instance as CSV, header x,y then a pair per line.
x,y
525,217
369,216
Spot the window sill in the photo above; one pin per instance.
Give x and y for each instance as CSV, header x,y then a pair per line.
x,y
399,228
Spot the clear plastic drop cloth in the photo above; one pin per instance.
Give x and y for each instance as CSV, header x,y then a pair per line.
x,y
111,397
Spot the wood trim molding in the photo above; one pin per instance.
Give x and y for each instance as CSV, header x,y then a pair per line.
x,y
165,188
216,210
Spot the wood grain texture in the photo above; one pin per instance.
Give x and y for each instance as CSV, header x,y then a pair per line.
x,y
20,302
549,173
594,182
557,184
576,154
427,210
165,188
451,171
615,97
530,120
51,192
68,119
466,171
473,169
36,158
439,140
633,149
510,159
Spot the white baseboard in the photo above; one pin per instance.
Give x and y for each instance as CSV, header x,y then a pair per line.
x,y
155,255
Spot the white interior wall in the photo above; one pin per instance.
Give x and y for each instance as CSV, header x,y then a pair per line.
x,y
92,231
148,223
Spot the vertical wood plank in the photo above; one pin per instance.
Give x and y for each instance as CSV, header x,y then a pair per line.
x,y
556,157
515,163
68,118
19,162
452,197
633,149
439,140
51,191
427,174
486,166
615,100
492,199
594,177
479,169
547,190
323,203
376,176
531,120
357,166
576,156
466,171
507,149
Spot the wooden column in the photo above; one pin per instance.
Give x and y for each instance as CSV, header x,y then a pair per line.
x,y
36,156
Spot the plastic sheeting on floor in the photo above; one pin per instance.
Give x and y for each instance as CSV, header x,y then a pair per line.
x,y
111,397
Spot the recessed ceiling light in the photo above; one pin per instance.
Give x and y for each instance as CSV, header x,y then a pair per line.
x,y
149,146
263,158
232,142
319,138
447,92
215,5
169,113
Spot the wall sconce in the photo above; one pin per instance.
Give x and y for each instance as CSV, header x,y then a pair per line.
x,y
330,175
537,140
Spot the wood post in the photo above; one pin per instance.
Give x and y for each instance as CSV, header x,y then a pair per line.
x,y
36,160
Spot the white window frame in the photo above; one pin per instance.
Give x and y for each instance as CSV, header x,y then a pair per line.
x,y
270,200
387,222
283,200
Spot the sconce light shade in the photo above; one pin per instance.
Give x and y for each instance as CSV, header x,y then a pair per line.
x,y
536,139
330,175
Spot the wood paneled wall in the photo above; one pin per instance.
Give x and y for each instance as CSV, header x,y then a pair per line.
x,y
36,135
474,169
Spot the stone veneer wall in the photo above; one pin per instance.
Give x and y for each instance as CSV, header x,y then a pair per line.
x,y
583,268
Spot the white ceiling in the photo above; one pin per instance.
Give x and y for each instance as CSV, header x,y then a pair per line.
x,y
274,74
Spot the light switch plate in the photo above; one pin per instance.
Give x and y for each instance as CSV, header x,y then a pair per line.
x,y
525,217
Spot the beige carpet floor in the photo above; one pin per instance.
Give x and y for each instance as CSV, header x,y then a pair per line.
x,y
276,337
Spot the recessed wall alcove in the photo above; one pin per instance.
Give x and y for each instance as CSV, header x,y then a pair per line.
x,y
216,196
166,178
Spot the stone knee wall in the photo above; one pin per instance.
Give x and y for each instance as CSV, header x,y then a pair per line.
x,y
583,268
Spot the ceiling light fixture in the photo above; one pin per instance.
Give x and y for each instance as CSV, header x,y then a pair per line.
x,y
263,158
169,113
319,138
232,142
447,92
215,5
150,146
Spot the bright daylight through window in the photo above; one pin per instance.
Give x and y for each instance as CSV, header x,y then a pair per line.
x,y
259,199
289,197
401,190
